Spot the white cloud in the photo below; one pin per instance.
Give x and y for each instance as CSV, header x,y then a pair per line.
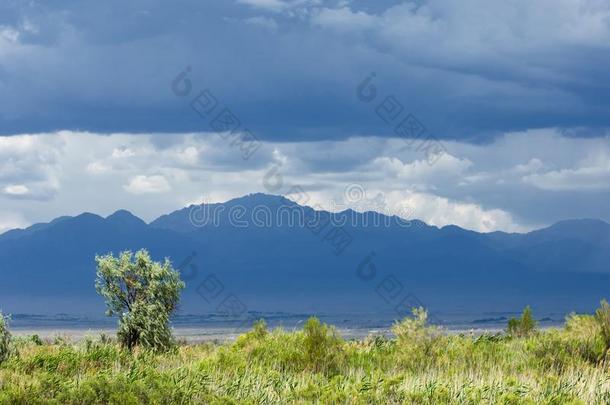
x,y
483,187
16,189
533,165
30,166
122,152
189,155
290,7
97,168
477,26
344,19
261,21
579,179
590,173
148,184
270,5
441,211
9,34
447,166
413,204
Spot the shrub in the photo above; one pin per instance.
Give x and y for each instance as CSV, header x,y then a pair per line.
x,y
560,351
259,329
105,339
523,326
415,329
36,340
143,293
255,335
602,317
322,346
5,338
416,340
579,343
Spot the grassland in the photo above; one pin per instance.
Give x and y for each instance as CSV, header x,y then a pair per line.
x,y
422,365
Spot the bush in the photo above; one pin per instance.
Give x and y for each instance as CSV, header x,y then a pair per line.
x,y
5,338
259,329
256,335
415,330
143,293
561,351
579,343
317,348
523,326
416,340
602,316
322,346
35,339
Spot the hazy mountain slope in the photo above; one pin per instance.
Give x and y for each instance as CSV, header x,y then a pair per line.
x,y
272,263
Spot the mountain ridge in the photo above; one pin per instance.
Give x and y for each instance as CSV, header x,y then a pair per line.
x,y
274,265
263,199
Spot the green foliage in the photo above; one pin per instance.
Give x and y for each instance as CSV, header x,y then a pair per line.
x,y
143,293
259,329
253,337
5,338
602,316
415,329
36,340
315,365
555,350
416,340
317,348
322,346
523,326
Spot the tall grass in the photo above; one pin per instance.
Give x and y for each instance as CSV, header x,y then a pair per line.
x,y
420,365
5,338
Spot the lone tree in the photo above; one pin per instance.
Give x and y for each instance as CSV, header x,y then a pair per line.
x,y
143,293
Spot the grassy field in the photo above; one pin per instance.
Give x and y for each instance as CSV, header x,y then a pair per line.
x,y
422,365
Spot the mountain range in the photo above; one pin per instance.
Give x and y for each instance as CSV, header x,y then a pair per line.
x,y
267,253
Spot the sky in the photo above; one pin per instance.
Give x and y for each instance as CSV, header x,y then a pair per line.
x,y
488,115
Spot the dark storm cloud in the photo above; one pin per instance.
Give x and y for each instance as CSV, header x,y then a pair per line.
x,y
289,69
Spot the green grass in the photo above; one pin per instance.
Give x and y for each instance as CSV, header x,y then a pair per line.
x,y
422,366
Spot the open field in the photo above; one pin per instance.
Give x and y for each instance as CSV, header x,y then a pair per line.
x,y
421,365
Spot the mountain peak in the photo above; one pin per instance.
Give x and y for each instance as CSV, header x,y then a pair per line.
x,y
125,217
120,214
589,230
588,222
584,225
255,199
